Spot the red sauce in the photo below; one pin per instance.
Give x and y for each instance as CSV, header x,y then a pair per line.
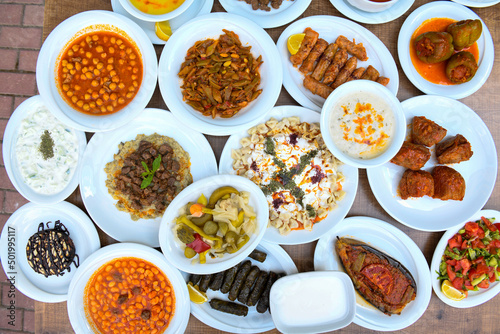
x,y
434,73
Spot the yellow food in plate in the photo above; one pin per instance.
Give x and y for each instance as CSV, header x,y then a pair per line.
x,y
156,7
449,291
195,295
293,42
163,30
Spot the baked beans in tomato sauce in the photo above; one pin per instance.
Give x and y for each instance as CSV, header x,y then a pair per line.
x,y
129,295
99,72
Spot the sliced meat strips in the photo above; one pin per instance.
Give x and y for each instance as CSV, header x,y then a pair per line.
x,y
318,49
306,46
357,50
324,62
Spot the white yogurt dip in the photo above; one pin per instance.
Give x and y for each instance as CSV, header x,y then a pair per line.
x,y
362,125
48,175
312,302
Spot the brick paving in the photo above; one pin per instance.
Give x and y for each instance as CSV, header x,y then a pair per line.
x,y
21,23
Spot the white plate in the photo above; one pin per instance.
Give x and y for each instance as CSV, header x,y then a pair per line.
x,y
171,247
329,28
46,71
477,3
198,7
100,151
359,15
10,159
392,241
474,298
480,172
22,225
456,12
350,184
210,26
76,311
278,261
288,11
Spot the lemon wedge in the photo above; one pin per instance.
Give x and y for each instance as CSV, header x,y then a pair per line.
x,y
163,30
293,43
195,295
451,292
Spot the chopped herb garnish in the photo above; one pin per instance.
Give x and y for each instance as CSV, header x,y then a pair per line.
x,y
46,145
147,176
269,146
310,211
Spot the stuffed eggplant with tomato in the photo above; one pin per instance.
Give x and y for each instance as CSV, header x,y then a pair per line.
x,y
381,280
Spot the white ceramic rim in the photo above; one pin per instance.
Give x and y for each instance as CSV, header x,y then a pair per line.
x,y
10,159
383,236
83,228
478,4
47,61
457,12
287,12
191,193
75,303
474,298
372,18
350,173
118,224
215,319
427,214
314,328
199,7
292,77
173,55
375,88
132,10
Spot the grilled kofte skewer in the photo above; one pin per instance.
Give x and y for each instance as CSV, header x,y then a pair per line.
x,y
381,280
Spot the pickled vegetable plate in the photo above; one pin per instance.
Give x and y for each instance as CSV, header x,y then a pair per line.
x,y
174,251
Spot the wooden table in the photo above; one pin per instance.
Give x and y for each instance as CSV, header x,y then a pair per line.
x,y
439,317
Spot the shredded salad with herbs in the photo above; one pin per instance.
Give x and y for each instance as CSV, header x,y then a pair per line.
x,y
472,257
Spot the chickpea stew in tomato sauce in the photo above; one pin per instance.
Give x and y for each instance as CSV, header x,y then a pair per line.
x,y
129,295
99,72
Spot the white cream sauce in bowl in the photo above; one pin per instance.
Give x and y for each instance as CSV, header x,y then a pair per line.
x,y
43,176
312,302
363,124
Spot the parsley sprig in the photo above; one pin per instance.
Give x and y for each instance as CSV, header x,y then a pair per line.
x,y
147,176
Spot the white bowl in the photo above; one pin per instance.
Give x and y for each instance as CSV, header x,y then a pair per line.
x,y
369,87
175,253
329,296
210,26
154,18
12,165
46,70
76,295
372,6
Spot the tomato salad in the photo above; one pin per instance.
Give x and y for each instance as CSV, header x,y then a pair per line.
x,y
472,257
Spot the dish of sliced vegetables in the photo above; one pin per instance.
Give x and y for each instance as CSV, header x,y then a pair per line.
x,y
466,264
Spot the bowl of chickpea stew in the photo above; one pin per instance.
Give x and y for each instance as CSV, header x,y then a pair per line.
x,y
126,286
96,71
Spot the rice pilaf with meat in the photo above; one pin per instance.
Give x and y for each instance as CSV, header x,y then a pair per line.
x,y
126,175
